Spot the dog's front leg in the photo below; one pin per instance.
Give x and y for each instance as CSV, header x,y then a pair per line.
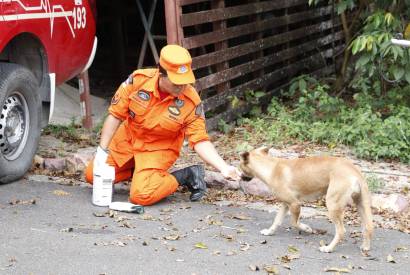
x,y
278,220
295,211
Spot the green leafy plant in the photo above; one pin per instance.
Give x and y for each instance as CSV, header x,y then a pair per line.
x,y
224,127
374,183
368,33
378,56
67,132
372,129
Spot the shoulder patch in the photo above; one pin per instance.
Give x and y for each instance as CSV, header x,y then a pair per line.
x,y
174,110
115,99
199,111
179,102
143,95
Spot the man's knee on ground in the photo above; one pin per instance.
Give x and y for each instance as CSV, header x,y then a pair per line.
x,y
143,199
151,185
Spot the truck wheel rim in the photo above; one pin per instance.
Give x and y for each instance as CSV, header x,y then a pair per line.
x,y
14,126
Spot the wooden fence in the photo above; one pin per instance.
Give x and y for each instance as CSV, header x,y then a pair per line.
x,y
243,45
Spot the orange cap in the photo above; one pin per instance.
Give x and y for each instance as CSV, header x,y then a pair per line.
x,y
176,60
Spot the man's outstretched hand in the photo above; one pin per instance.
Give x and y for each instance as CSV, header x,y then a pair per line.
x,y
231,173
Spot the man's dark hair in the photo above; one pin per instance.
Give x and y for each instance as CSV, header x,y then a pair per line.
x,y
162,70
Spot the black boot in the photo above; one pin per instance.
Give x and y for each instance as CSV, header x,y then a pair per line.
x,y
193,178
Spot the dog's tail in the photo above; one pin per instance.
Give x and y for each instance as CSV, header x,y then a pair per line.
x,y
363,203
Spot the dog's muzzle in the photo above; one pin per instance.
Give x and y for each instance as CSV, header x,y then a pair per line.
x,y
246,178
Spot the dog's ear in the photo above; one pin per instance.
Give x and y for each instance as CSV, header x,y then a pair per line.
x,y
245,156
265,150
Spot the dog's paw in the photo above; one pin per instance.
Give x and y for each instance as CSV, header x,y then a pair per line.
x,y
305,228
365,248
326,249
267,232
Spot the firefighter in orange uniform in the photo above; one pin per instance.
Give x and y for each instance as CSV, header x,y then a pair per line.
x,y
150,115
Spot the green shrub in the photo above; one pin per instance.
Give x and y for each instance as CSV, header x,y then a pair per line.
x,y
373,127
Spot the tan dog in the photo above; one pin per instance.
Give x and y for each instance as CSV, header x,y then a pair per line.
x,y
295,180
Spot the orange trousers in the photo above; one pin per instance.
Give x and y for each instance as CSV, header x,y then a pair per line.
x,y
147,187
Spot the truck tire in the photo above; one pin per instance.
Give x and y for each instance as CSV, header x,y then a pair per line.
x,y
20,118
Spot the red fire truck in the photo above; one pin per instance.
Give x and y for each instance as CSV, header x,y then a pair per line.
x,y
42,44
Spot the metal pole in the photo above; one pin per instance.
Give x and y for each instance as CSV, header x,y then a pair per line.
x,y
144,42
85,99
148,31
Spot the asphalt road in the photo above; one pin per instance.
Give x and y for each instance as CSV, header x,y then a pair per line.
x,y
63,233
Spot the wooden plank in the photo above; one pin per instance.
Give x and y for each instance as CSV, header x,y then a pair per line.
x,y
221,25
237,71
189,2
170,21
232,113
250,47
217,36
285,72
219,14
180,30
257,37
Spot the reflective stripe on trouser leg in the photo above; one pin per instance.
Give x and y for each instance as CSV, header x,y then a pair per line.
x,y
151,185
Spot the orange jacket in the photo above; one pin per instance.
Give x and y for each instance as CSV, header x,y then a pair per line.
x,y
153,130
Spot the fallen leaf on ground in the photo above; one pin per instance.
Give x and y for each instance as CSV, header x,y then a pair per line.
x,y
12,261
390,259
286,266
292,249
99,214
319,231
401,248
241,230
271,269
289,258
119,243
244,247
240,217
227,236
253,267
355,234
147,217
367,255
22,202
60,193
201,246
337,269
126,225
172,237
